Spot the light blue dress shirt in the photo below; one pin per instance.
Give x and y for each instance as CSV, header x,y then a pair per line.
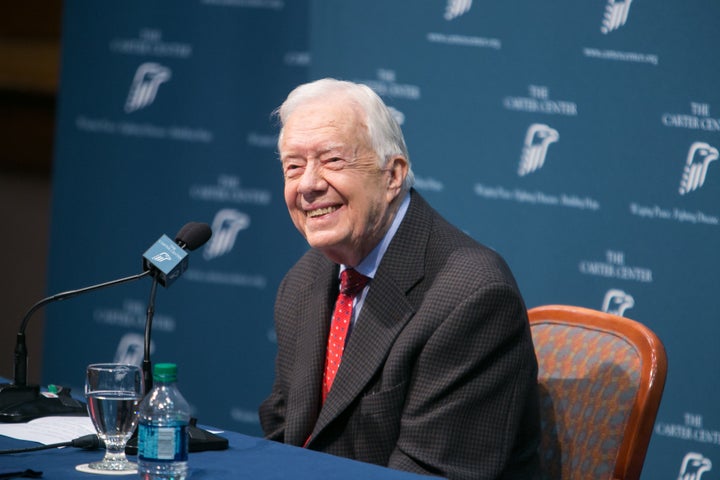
x,y
369,265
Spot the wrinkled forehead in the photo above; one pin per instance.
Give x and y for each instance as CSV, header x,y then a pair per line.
x,y
324,124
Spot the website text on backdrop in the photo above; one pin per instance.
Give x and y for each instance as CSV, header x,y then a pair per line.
x,y
438,374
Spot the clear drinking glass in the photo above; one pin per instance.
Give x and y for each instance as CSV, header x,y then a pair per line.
x,y
113,392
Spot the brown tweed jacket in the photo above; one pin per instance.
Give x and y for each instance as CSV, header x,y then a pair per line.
x,y
439,373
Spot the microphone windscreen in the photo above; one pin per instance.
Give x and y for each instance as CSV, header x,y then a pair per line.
x,y
193,235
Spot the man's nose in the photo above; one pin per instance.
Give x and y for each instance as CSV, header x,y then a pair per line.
x,y
312,179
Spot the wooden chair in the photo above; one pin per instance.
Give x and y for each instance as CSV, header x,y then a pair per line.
x,y
601,379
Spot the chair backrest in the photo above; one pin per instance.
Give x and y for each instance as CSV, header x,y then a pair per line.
x,y
601,379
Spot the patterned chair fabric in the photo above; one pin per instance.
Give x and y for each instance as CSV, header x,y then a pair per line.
x,y
593,378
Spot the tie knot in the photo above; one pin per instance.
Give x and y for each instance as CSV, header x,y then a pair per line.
x,y
351,282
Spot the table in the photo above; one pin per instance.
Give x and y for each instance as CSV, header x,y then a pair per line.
x,y
247,457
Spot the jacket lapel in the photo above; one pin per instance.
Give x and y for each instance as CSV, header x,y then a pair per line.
x,y
385,312
312,327
378,326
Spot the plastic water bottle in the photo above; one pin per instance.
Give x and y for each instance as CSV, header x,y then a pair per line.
x,y
163,419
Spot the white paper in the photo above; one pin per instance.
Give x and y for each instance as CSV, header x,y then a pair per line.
x,y
49,430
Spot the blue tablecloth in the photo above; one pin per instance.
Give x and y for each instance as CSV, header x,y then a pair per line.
x,y
247,457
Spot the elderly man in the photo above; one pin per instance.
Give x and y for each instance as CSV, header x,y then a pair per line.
x,y
401,340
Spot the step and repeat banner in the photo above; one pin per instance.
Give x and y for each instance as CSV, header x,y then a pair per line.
x,y
579,139
165,118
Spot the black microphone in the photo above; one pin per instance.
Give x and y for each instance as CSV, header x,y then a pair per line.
x,y
193,235
20,402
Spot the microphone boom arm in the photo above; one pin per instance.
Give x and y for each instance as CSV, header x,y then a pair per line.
x,y
22,402
20,373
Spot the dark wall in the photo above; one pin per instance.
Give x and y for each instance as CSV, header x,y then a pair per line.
x,y
29,55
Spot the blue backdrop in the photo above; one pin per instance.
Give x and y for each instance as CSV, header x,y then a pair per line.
x,y
578,139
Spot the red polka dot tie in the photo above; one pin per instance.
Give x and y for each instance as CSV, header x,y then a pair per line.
x,y
351,283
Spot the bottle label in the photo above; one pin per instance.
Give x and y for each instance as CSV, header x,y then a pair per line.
x,y
169,443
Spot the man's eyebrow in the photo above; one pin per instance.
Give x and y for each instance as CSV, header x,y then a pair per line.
x,y
290,156
330,148
324,150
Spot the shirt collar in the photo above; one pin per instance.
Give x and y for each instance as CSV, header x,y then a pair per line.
x,y
369,264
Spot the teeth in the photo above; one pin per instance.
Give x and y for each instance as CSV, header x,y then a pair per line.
x,y
320,211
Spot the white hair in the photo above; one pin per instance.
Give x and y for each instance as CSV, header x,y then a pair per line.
x,y
383,130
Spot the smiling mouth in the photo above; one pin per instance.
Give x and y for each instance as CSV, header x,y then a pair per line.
x,y
320,211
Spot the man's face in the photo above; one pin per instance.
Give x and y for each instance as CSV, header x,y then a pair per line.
x,y
336,193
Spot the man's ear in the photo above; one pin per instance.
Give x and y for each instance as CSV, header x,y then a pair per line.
x,y
397,168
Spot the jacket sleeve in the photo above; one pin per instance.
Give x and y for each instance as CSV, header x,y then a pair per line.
x,y
272,409
473,394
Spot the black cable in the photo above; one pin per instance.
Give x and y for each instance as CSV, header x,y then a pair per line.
x,y
24,474
88,442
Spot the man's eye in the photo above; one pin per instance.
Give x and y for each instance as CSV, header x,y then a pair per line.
x,y
292,170
334,162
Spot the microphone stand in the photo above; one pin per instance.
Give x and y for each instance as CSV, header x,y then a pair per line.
x,y
146,364
199,440
20,402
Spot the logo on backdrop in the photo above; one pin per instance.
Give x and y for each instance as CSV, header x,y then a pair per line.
x,y
131,349
143,92
229,189
537,140
457,8
699,118
695,172
387,86
693,466
453,10
227,224
616,14
538,101
150,42
690,430
696,166
144,88
614,266
616,302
